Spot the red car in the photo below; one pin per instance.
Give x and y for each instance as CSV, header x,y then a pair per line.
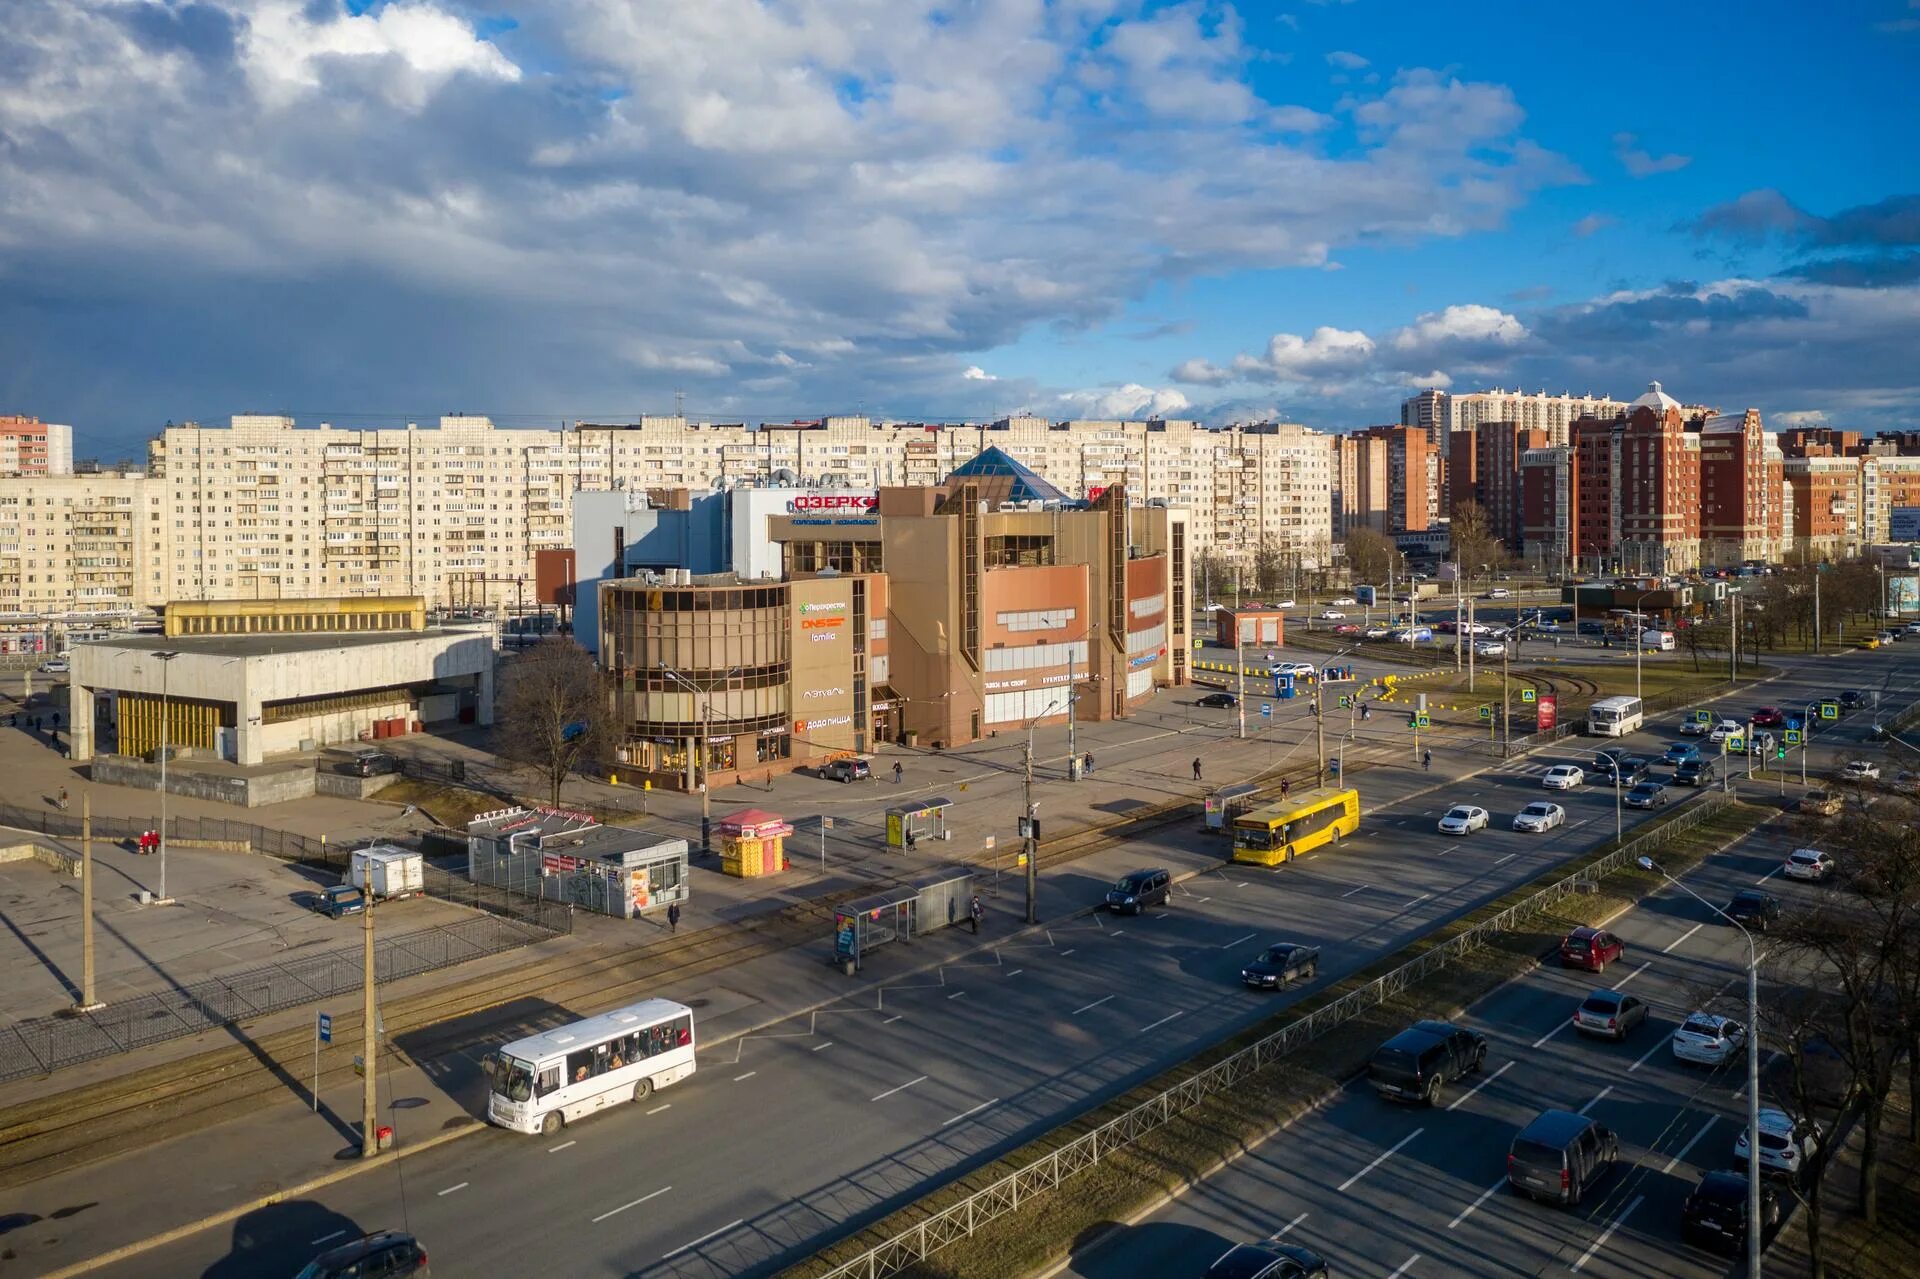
x,y
1347,628
1768,717
1591,948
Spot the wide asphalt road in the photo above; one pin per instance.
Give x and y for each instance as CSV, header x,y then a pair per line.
x,y
787,1140
1385,1189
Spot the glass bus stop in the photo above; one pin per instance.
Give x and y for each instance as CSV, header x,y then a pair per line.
x,y
914,909
1227,803
915,823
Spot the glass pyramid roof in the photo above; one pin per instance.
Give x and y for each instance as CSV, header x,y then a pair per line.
x,y
1024,484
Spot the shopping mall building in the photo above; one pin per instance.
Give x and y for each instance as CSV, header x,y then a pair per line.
x,y
940,616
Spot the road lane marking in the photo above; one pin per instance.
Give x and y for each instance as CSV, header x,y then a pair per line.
x,y
1379,1159
1351,891
956,994
1163,1021
963,1114
1635,973
1477,1087
1229,945
1068,951
1551,1033
450,1189
657,1109
688,1247
323,1238
1272,1238
1243,883
1404,1266
1597,1099
817,1047
1118,932
896,1017
1016,972
1691,1143
554,1150
1202,899
1509,857
1088,1007
749,1075
1658,1045
1607,1234
1468,1211
902,1088
1682,937
1769,875
636,1203
1416,901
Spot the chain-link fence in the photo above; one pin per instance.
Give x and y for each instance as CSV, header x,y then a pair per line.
x,y
1008,1193
44,1044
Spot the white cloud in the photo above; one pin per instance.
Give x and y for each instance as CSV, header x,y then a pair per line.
x,y
975,373
1592,223
1470,323
1641,163
1129,401
1346,61
1799,418
284,50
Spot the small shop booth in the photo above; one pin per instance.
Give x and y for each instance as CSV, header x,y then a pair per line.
x,y
568,856
753,842
916,823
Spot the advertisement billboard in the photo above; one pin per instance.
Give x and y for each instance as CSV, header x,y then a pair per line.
x,y
1546,713
1903,523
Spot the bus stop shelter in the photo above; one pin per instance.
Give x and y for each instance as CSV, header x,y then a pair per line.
x,y
1228,802
914,909
915,823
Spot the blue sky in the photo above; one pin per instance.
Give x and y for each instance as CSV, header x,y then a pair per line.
x,y
547,210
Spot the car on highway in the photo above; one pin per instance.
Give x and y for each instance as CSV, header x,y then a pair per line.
x,y
1424,1058
1499,593
1560,1156
1347,628
1539,816
1808,863
1647,795
1912,628
1139,889
1592,628
1887,637
1493,649
846,771
1281,604
1331,615
1345,601
1268,1259
1626,770
1821,803
1695,727
1726,728
1377,632
1852,699
1907,783
1695,772
1681,752
1769,717
1299,670
1860,770
1611,1013
1219,701
1753,910
1280,964
1563,777
1463,819
1785,1142
1761,743
1591,948
55,666
383,1253
1603,759
1708,1039
1715,1211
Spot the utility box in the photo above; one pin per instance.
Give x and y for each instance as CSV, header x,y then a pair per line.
x,y
387,873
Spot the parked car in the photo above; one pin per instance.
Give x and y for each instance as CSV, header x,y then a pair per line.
x,y
1281,964
338,900
1137,890
1708,1039
1647,795
1860,770
1560,1156
1493,649
846,770
1299,670
1695,772
1808,863
1612,1013
1268,1259
1591,948
55,666
1220,701
1424,1058
1769,717
1680,752
372,763
1753,909
384,1253
1563,777
1785,1142
1463,819
1539,816
1821,803
1715,1213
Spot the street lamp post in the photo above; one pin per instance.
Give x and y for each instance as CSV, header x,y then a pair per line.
x,y
1029,842
700,753
1753,1067
1639,644
166,666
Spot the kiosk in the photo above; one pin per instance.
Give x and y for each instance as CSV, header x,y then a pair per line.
x,y
753,842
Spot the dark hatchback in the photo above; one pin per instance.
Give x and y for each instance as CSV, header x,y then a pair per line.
x,y
389,1254
1268,1260
1648,795
1753,909
1137,890
1220,701
1716,1211
1280,965
1693,772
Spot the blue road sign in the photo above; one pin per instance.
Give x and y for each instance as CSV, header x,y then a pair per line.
x,y
326,1028
1266,708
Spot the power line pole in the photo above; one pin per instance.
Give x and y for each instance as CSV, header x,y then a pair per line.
x,y
88,1000
1030,847
1240,666
1073,749
1506,696
1319,730
369,1139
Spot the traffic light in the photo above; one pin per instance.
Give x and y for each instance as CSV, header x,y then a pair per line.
x,y
1413,720
1780,752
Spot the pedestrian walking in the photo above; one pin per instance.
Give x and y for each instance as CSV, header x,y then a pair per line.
x,y
1426,761
897,772
976,913
1086,764
1285,786
1196,768
673,917
1366,712
62,801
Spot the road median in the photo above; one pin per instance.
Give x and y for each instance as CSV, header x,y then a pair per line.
x,y
1032,1208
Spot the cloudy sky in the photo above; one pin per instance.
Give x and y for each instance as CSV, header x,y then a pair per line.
x,y
377,210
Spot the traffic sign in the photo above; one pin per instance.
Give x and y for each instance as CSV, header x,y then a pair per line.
x,y
1736,743
1345,701
826,823
1703,717
1423,721
325,1028
1486,712
1266,708
1527,694
1829,710
1793,737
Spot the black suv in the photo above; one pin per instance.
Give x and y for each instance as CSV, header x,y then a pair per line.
x,y
1852,699
385,1254
1630,768
1138,890
373,764
1268,1260
1559,1156
1603,759
1753,909
847,770
1693,772
1716,1211
1416,1063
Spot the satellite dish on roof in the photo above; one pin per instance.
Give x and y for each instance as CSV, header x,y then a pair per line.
x,y
719,483
784,477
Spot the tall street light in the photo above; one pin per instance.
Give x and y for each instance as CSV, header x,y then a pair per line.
x,y
166,666
1639,644
1030,840
700,755
1753,1067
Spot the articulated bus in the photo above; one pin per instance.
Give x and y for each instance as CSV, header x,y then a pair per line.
x,y
542,1082
1615,716
1280,832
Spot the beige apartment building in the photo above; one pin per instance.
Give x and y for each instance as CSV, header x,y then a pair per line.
x,y
79,543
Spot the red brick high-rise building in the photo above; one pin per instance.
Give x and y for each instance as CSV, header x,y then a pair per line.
x,y
1741,502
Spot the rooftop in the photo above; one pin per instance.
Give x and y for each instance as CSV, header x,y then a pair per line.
x,y
569,834
1021,483
269,645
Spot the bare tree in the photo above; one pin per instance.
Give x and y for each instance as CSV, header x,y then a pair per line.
x,y
1795,1025
1369,554
554,711
1475,542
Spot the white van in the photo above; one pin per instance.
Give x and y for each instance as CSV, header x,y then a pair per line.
x,y
1662,640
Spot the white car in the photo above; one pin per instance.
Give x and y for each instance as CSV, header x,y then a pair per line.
x,y
1708,1039
1378,632
1499,593
1563,777
1299,670
1346,601
55,666
1808,863
1859,770
1495,649
1284,604
1539,816
1913,628
1332,615
1695,728
1785,1143
1463,819
1726,728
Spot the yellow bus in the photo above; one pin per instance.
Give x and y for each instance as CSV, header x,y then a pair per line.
x,y
1280,832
